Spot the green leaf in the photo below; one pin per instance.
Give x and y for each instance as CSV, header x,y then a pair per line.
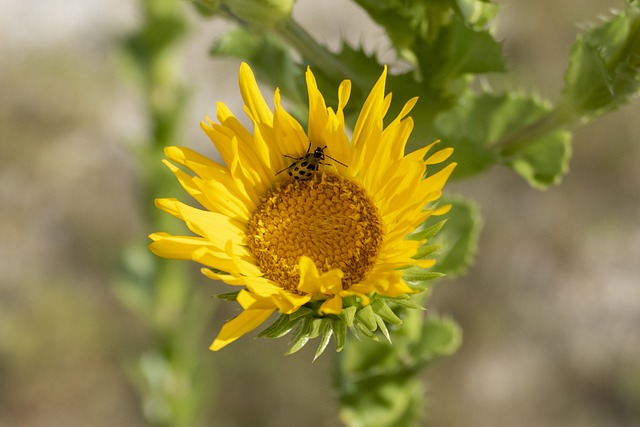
x,y
466,51
404,21
480,124
397,402
545,162
604,65
440,337
459,238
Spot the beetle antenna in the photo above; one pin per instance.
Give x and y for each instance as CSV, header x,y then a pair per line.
x,y
337,161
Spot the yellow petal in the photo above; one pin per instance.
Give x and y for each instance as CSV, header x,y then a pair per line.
x,y
217,228
255,104
229,279
176,247
437,180
318,285
243,323
441,210
439,156
331,306
317,112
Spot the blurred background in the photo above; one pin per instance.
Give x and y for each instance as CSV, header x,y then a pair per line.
x,y
550,310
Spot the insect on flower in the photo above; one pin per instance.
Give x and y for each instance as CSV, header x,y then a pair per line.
x,y
304,166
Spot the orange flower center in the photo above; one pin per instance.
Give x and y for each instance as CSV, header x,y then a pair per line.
x,y
328,218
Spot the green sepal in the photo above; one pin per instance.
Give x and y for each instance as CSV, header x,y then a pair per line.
x,y
339,332
367,317
301,335
363,321
426,250
281,327
316,328
427,232
381,309
301,312
326,329
416,274
364,329
383,328
348,315
406,302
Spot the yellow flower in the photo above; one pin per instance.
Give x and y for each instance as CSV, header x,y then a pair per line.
x,y
305,219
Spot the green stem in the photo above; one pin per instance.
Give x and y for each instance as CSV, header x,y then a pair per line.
x,y
316,54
